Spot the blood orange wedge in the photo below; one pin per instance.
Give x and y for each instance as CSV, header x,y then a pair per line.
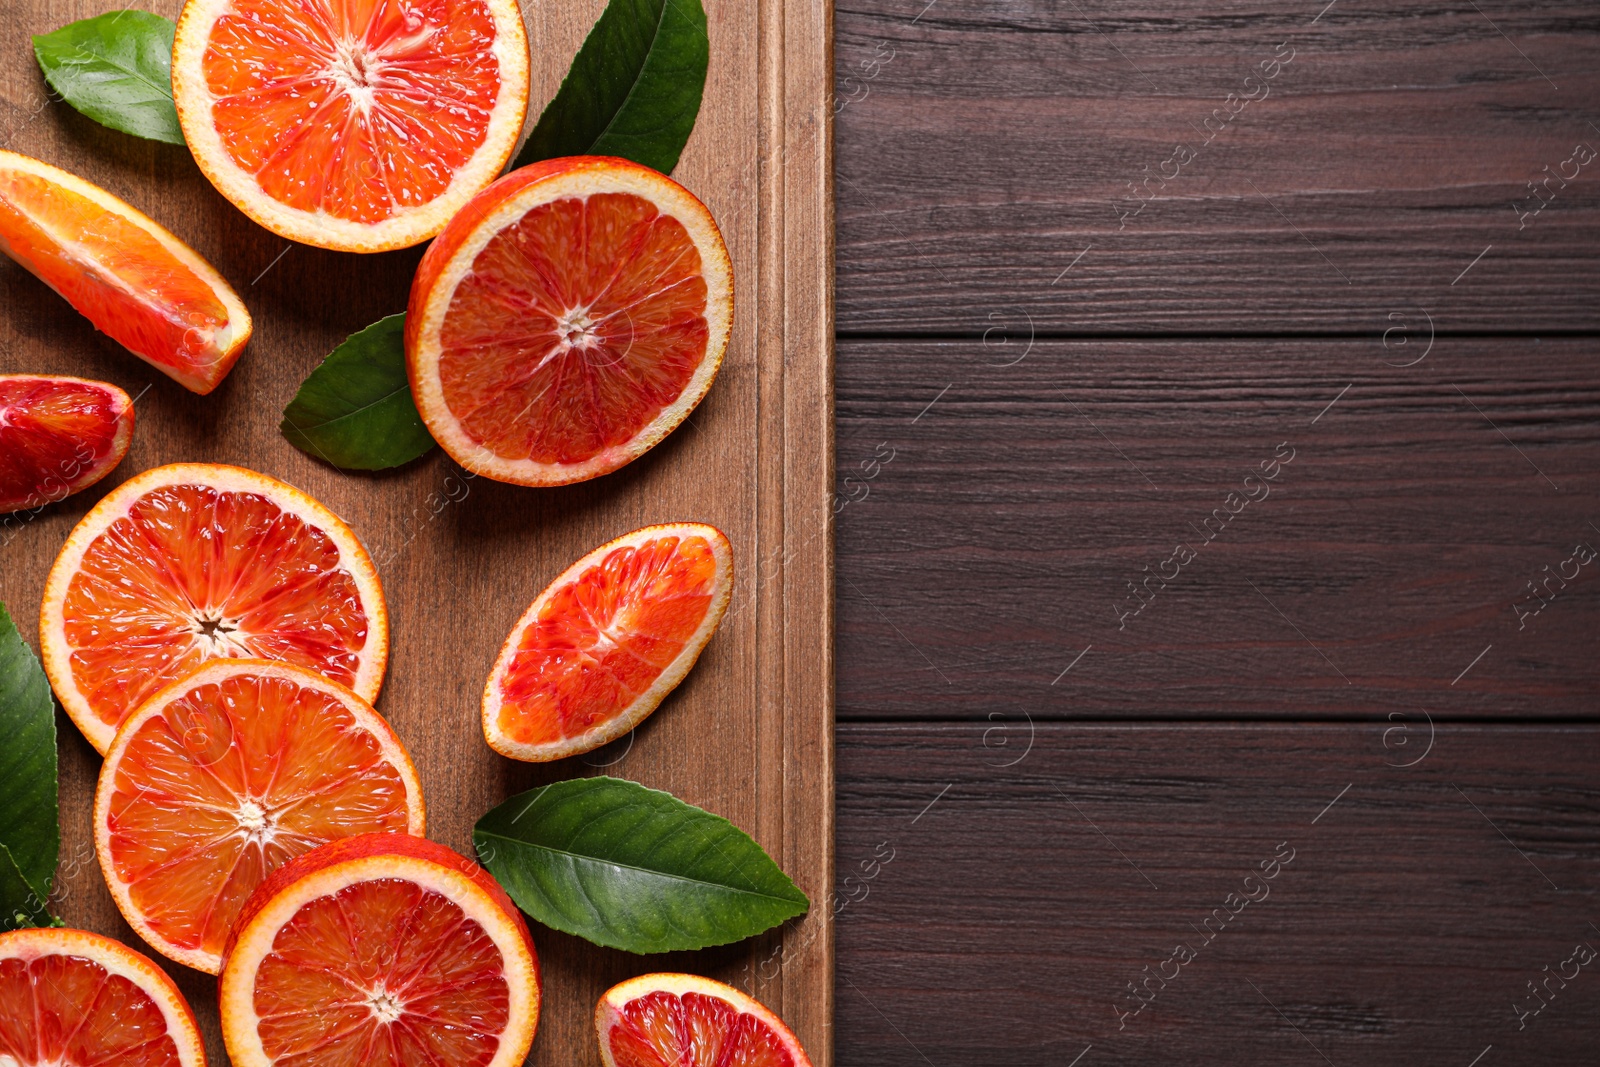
x,y
567,320
681,1020
137,283
605,642
57,436
199,561
224,776
72,997
360,126
383,950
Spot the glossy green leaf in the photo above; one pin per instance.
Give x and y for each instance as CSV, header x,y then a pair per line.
x,y
355,410
30,833
634,89
117,69
20,904
633,868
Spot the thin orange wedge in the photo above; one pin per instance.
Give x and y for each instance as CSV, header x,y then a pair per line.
x,y
606,641
137,283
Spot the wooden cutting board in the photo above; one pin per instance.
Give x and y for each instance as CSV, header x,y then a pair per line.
x,y
749,734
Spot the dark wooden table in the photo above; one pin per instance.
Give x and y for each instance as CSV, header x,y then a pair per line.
x,y
1219,482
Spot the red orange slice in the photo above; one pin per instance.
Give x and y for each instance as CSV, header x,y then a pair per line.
x,y
380,951
221,778
147,290
199,561
606,641
682,1020
72,997
567,320
360,125
58,435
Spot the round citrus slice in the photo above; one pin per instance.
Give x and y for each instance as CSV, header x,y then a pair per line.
x,y
58,435
383,950
682,1020
354,126
567,320
221,778
605,642
72,997
199,561
137,283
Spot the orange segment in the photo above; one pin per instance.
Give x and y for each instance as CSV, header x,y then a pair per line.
x,y
682,1020
567,320
605,642
58,435
351,125
72,997
223,777
193,562
382,950
135,281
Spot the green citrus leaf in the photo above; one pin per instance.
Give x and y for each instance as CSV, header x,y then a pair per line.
x,y
633,868
634,89
117,69
355,410
30,832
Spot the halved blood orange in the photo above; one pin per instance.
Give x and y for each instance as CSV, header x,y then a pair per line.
x,y
567,320
359,125
380,951
224,776
199,561
72,997
683,1020
137,283
606,641
58,435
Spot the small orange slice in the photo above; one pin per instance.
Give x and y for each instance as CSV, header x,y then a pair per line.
x,y
606,641
137,283
58,435
72,997
682,1020
567,320
359,125
199,561
380,951
221,778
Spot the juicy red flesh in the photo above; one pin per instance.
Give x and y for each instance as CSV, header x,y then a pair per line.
x,y
693,1030
57,436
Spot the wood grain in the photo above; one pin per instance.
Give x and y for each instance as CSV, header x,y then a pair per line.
x,y
749,734
1012,504
984,147
999,897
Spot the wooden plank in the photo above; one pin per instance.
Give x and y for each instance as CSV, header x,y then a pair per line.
x,y
749,734
997,900
983,150
991,517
